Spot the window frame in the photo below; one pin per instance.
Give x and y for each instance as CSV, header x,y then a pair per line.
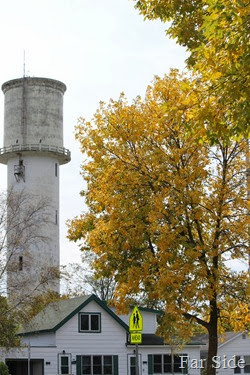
x,y
89,330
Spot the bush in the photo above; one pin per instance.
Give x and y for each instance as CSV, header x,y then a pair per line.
x,y
4,369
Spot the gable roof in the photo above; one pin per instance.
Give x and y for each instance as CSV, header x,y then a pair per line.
x,y
149,309
56,314
229,336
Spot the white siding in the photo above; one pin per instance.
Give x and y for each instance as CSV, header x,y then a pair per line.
x,y
41,339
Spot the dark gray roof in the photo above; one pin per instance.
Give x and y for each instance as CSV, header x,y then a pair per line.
x,y
151,339
58,313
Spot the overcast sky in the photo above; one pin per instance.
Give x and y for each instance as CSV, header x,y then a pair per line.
x,y
98,48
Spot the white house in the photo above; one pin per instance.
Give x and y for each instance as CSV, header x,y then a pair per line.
x,y
233,356
83,336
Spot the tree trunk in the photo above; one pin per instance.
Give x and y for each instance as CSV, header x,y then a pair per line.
x,y
213,337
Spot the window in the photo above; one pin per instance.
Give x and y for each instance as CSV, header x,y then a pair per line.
x,y
20,263
132,366
157,364
56,169
56,217
247,364
162,364
90,322
19,171
97,365
243,366
237,369
64,364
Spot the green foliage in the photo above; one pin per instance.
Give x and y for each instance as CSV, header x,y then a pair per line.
x,y
4,369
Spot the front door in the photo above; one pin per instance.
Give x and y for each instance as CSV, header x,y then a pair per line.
x,y
132,364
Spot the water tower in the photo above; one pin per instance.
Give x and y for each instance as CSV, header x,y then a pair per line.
x,y
33,151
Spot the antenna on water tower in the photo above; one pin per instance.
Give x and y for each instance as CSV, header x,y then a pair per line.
x,y
23,63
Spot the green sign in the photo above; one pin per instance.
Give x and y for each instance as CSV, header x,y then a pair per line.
x,y
135,338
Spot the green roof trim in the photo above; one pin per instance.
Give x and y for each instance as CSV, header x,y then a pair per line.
x,y
148,309
56,314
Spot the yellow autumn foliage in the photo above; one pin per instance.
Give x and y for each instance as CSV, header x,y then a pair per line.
x,y
166,212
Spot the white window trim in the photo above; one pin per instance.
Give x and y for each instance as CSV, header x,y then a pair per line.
x,y
89,316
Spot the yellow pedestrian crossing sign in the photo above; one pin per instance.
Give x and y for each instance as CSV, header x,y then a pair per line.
x,y
135,321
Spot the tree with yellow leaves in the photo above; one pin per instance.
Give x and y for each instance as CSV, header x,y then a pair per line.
x,y
166,211
216,33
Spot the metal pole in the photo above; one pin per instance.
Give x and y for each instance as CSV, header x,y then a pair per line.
x,y
136,360
29,358
172,360
248,189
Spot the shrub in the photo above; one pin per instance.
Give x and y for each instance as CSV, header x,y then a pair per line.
x,y
4,369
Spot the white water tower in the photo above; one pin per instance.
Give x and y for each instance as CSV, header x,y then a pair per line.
x,y
33,151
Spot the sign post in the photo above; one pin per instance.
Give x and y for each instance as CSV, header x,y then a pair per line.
x,y
29,358
135,329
